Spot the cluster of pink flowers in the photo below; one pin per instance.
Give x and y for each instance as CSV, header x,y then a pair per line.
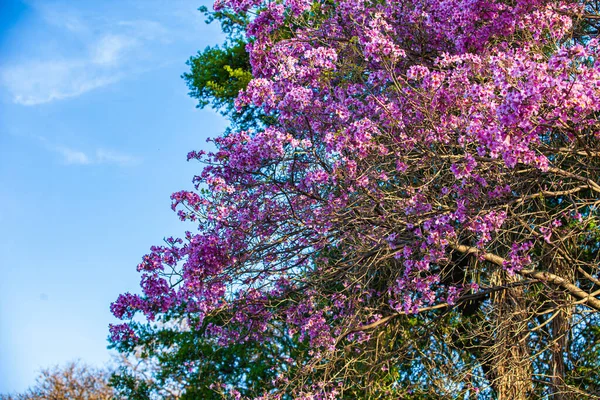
x,y
401,127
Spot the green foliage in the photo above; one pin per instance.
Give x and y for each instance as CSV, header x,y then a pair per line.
x,y
232,24
178,361
584,361
218,74
129,386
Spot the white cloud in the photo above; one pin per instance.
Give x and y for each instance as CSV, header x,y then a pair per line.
x,y
100,156
56,14
104,156
42,82
110,49
92,51
38,82
71,156
147,30
65,20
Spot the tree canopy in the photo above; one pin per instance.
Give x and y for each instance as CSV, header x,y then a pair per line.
x,y
408,210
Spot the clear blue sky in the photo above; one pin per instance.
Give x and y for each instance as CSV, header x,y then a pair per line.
x,y
95,125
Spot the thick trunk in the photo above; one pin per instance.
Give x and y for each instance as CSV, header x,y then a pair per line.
x,y
508,358
561,325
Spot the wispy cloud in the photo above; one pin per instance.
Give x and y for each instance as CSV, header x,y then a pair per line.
x,y
104,156
42,82
100,156
147,29
72,156
96,52
110,49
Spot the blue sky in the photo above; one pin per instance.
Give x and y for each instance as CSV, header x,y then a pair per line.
x,y
95,125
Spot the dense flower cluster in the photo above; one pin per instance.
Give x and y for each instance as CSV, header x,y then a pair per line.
x,y
407,134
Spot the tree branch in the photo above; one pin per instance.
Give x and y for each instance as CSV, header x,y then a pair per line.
x,y
542,276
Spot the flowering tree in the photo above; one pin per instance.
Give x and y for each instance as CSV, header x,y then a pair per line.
x,y
420,210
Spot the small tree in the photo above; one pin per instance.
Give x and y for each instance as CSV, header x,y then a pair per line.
x,y
74,381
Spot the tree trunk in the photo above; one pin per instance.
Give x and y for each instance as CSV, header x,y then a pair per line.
x,y
561,325
509,355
